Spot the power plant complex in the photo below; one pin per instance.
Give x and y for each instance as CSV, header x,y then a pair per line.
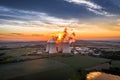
x,y
60,43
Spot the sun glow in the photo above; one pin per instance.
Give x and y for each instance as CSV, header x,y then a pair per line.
x,y
60,36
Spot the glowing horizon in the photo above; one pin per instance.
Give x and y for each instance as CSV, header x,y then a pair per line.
x,y
82,31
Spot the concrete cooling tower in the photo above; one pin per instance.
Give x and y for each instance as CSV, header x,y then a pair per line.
x,y
66,47
51,46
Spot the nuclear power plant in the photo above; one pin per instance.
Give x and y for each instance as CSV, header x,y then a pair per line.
x,y
52,47
59,43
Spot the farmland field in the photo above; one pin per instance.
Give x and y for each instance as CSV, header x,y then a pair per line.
x,y
49,68
78,61
17,52
59,68
35,69
116,64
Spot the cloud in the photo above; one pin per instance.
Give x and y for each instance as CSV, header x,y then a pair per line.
x,y
11,34
91,6
86,3
41,21
100,12
118,22
37,35
16,33
30,17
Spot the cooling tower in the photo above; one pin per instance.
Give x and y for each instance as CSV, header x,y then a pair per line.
x,y
52,46
48,46
66,47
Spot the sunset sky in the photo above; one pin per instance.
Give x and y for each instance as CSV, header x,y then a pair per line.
x,y
39,19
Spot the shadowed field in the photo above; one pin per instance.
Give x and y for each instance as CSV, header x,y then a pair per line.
x,y
55,68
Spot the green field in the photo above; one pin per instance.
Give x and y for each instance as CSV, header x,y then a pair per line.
x,y
75,61
17,52
116,64
50,68
42,69
78,61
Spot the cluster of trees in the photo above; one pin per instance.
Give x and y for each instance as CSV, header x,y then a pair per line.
x,y
115,55
6,59
112,70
